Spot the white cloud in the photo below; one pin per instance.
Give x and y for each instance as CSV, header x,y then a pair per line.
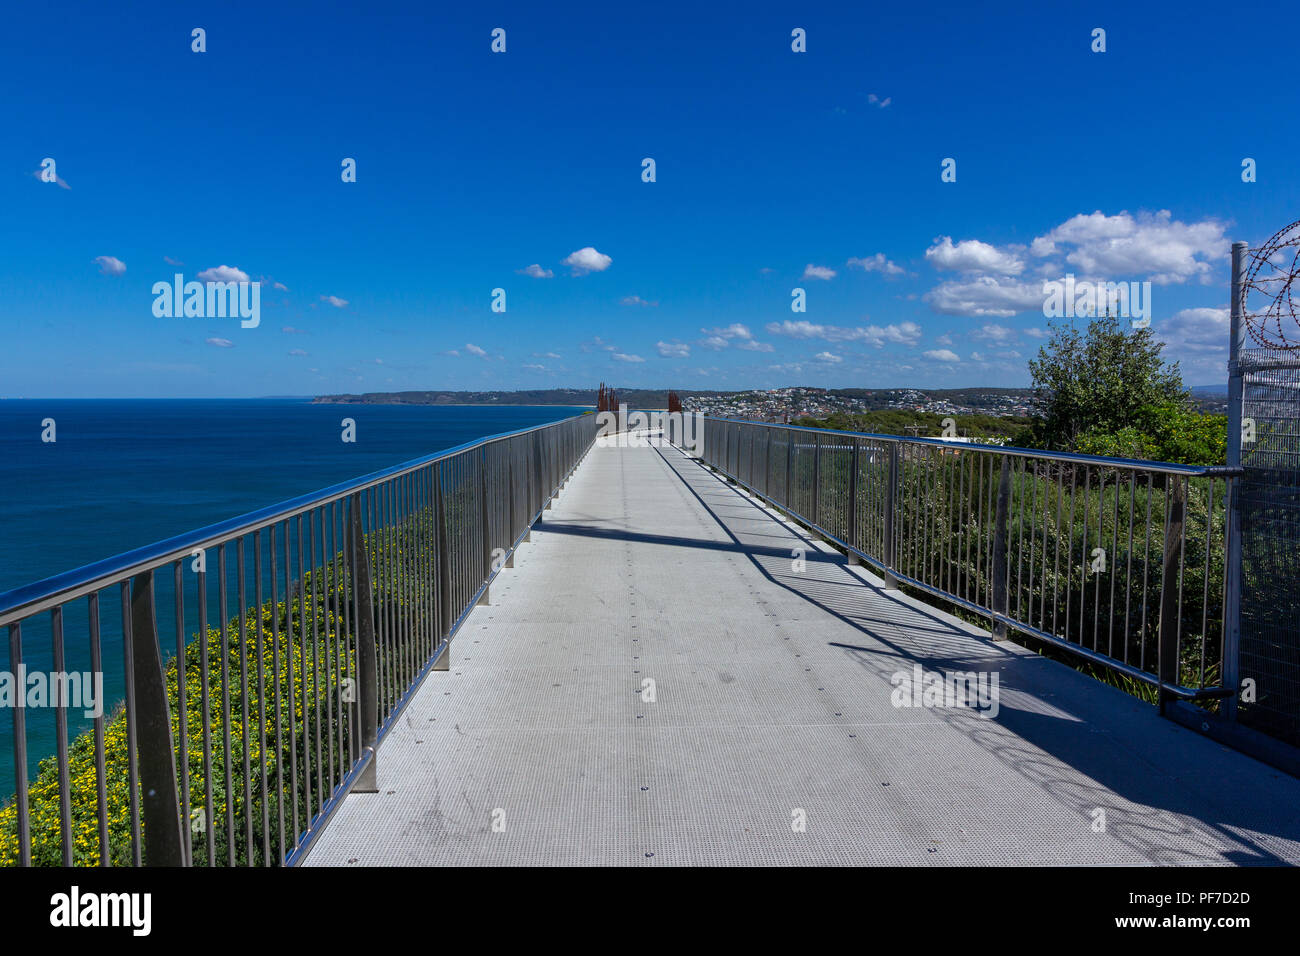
x,y
635,300
535,367
110,265
735,330
943,355
877,101
587,260
986,296
877,263
297,352
279,287
944,340
971,255
673,349
220,343
828,357
536,271
473,349
997,334
1196,330
624,357
223,274
902,333
334,301
292,331
737,333
172,262
1153,245
818,272
549,355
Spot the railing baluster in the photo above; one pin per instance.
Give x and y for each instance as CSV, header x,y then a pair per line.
x,y
101,770
891,493
367,687
1170,598
999,601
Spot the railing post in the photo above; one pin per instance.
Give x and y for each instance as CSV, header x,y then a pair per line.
x,y
514,511
767,463
551,484
891,488
1232,595
853,503
443,661
1000,597
367,690
1167,647
485,521
537,470
789,468
164,841
816,479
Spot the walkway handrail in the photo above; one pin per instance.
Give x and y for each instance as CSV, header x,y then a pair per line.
x,y
1140,464
236,746
985,527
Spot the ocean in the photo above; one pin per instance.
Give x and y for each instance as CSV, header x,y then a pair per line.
x,y
125,473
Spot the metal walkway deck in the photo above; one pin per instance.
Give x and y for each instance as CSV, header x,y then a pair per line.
x,y
772,696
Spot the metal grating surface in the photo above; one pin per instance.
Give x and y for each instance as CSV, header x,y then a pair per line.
x,y
773,693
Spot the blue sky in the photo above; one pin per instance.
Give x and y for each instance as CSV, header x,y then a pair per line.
x,y
473,166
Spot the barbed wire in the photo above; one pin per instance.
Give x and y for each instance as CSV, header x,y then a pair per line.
x,y
1271,318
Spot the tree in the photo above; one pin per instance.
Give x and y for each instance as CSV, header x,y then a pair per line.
x,y
1098,384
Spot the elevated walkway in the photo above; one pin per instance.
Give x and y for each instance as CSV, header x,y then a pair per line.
x,y
773,703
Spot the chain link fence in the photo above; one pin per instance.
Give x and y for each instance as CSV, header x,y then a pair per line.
x,y
1270,542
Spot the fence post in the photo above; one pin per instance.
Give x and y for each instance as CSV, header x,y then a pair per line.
x,y
1232,593
853,503
443,661
1167,647
1000,601
367,663
891,487
164,842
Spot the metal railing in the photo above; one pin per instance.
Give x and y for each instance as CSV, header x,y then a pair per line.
x,y
1117,561
235,745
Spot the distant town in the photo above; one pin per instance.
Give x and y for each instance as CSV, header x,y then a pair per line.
x,y
768,405
789,404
